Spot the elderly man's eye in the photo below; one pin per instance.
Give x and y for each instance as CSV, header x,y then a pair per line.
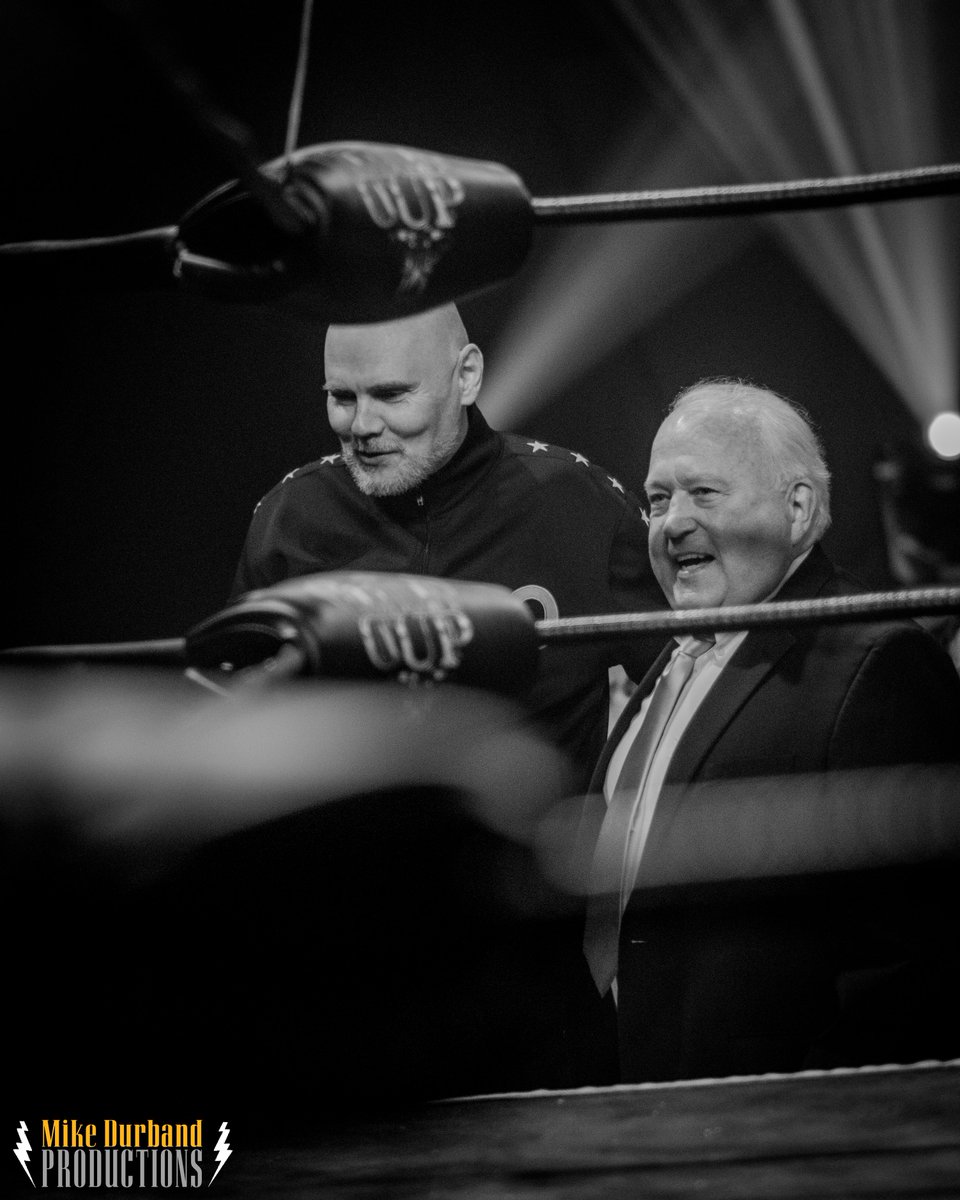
x,y
657,501
339,397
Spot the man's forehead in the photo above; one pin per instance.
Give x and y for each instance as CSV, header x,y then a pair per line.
x,y
368,355
703,444
418,343
696,433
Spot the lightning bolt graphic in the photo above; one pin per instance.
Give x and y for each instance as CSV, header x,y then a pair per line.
x,y
22,1149
222,1149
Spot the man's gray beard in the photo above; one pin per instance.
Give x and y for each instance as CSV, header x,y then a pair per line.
x,y
407,474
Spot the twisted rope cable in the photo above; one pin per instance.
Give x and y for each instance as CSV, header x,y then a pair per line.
x,y
740,199
866,606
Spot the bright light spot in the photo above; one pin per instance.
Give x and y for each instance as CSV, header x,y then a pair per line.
x,y
943,434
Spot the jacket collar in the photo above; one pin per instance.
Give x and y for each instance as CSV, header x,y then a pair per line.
x,y
753,661
476,456
810,578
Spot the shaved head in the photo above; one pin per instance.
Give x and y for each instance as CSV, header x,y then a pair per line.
x,y
438,332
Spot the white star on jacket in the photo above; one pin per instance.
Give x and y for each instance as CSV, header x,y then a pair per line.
x,y
535,446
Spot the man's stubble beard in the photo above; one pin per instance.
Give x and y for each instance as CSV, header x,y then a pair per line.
x,y
406,474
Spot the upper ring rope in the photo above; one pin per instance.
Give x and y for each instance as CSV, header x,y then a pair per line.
x,y
740,199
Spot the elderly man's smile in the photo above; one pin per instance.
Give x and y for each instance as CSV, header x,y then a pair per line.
x,y
687,565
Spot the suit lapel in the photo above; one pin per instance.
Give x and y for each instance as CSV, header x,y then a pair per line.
x,y
744,673
759,653
754,660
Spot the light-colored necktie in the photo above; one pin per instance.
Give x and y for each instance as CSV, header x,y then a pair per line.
x,y
602,930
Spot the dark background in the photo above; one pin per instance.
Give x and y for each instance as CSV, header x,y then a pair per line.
x,y
142,426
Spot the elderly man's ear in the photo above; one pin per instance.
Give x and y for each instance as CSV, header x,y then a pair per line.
x,y
802,504
470,373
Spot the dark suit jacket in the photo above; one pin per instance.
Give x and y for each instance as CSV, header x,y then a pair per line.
x,y
819,969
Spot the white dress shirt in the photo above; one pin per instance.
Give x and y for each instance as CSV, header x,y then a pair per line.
x,y
706,671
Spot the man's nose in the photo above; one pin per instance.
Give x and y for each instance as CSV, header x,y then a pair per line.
x,y
367,421
680,519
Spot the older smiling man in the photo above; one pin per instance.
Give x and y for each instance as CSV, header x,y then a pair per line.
x,y
741,978
738,495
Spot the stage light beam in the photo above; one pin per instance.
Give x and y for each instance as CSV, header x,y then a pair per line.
x,y
785,90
